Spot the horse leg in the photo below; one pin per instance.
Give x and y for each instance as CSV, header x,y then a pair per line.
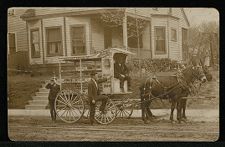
x,y
173,104
179,111
184,104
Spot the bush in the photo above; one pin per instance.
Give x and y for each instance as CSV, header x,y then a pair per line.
x,y
154,65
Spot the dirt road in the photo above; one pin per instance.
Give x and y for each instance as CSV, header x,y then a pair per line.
x,y
41,129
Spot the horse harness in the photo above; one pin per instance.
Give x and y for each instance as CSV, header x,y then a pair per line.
x,y
181,83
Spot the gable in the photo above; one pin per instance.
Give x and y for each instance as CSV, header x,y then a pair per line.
x,y
180,13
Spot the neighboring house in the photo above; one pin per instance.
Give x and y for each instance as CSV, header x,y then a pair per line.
x,y
68,32
17,40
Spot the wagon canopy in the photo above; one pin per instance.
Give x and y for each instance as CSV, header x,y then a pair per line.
x,y
101,54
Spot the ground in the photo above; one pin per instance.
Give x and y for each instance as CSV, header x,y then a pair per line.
x,y
42,129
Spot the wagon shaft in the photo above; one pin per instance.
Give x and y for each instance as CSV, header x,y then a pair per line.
x,y
200,97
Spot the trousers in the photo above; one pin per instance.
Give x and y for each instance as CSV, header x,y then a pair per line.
x,y
145,108
122,79
101,98
52,109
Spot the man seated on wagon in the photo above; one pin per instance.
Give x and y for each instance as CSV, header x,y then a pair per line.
x,y
94,94
121,72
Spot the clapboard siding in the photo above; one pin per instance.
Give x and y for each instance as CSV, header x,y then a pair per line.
x,y
73,21
174,51
177,12
36,24
146,38
147,11
182,24
97,35
18,26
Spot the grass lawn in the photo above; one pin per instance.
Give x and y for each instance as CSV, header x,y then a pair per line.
x,y
21,88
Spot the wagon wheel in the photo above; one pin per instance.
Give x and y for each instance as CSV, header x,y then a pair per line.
x,y
125,108
108,115
69,106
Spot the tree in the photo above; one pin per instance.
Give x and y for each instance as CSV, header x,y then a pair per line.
x,y
135,26
204,38
115,19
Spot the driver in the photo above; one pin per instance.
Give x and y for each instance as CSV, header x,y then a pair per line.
x,y
121,72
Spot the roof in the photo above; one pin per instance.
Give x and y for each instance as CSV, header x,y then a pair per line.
x,y
185,16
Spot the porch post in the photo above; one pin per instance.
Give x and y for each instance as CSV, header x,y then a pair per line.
x,y
125,30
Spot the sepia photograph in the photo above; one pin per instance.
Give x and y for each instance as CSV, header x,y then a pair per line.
x,y
113,74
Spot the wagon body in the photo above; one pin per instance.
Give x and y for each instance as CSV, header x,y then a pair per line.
x,y
73,80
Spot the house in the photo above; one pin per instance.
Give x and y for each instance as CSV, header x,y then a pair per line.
x,y
17,48
55,32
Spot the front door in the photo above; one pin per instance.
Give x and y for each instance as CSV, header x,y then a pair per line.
x,y
107,37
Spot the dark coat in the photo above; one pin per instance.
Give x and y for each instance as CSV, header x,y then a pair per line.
x,y
54,89
120,69
93,91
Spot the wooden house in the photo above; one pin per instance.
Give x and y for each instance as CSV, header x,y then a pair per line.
x,y
57,32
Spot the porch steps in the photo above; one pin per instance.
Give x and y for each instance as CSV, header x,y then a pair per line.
x,y
40,100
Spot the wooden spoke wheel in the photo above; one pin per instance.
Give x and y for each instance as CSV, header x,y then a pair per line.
x,y
106,116
125,109
69,106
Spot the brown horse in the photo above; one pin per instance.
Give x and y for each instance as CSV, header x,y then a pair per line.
x,y
173,88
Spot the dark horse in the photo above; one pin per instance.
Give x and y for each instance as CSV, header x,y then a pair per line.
x,y
172,88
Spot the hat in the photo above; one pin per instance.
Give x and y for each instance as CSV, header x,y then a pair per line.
x,y
53,78
93,73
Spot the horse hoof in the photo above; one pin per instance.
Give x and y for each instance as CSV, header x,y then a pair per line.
x,y
172,121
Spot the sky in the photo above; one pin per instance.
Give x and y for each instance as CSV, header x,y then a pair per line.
x,y
198,15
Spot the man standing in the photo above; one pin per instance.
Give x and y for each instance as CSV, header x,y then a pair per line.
x,y
145,102
94,95
54,89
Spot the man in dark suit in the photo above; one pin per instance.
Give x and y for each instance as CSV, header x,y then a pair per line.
x,y
54,89
121,72
145,103
94,95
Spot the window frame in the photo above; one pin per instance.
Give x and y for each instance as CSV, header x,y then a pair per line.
x,y
155,40
31,42
173,39
60,53
71,38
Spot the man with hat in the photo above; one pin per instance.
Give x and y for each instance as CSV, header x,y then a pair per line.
x,y
94,95
54,89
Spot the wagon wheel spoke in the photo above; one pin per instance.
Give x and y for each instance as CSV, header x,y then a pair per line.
x,y
69,106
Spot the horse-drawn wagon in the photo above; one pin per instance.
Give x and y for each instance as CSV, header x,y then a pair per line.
x,y
72,102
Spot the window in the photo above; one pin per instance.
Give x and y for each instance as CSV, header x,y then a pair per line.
x,y
12,42
35,44
54,41
78,40
160,42
173,34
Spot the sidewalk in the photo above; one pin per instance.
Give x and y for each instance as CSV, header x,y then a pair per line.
x,y
207,115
